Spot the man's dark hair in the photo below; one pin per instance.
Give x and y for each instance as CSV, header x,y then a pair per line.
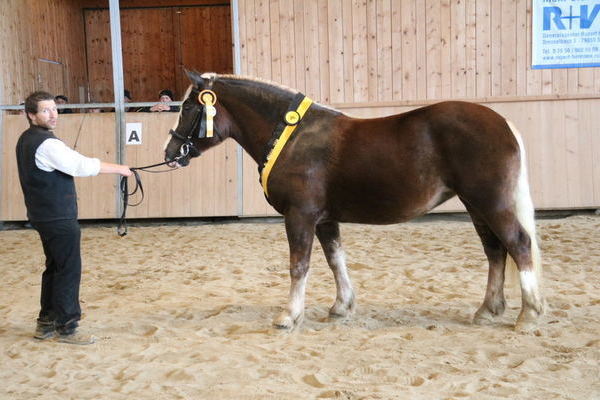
x,y
61,96
31,102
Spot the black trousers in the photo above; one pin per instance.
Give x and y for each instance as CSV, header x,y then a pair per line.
x,y
60,281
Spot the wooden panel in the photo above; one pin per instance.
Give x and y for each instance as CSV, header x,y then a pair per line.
x,y
207,187
409,50
50,77
149,59
99,60
150,3
90,134
287,43
324,75
483,56
157,43
311,53
336,50
13,205
432,51
93,135
206,43
384,50
359,51
33,30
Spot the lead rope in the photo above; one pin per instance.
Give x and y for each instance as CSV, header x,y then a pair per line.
x,y
124,189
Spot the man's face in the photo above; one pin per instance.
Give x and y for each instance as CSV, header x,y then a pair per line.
x,y
47,115
165,99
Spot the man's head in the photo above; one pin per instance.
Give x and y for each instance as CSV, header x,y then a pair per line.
x,y
165,95
127,96
40,110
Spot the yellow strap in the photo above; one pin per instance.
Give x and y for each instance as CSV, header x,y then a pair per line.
x,y
285,135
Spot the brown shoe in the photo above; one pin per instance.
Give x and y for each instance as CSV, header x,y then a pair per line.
x,y
76,338
45,330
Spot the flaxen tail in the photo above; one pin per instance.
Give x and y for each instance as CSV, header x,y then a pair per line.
x,y
525,214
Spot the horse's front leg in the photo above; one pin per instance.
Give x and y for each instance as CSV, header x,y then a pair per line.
x,y
300,231
329,236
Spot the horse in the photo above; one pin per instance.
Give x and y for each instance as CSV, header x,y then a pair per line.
x,y
320,167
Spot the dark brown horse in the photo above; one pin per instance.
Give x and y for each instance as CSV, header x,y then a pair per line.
x,y
321,167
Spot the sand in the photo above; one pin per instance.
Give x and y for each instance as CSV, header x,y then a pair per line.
x,y
184,311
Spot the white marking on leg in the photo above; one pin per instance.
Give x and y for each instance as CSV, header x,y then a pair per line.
x,y
297,297
530,290
342,279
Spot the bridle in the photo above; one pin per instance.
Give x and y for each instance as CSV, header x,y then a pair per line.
x,y
205,123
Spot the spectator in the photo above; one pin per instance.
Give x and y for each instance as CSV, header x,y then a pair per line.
x,y
62,99
165,96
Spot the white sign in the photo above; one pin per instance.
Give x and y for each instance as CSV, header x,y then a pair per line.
x,y
133,133
566,34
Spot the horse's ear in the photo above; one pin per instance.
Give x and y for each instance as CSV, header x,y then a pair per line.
x,y
195,77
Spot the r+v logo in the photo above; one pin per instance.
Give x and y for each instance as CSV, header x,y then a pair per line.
x,y
554,16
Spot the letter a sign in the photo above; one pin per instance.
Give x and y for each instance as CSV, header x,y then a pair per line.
x,y
134,133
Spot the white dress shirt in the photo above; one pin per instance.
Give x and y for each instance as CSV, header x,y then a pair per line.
x,y
54,154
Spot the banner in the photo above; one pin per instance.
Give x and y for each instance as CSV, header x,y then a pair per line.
x,y
565,34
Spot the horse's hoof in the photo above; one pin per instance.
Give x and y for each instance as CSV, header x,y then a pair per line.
x,y
484,316
286,322
527,321
341,311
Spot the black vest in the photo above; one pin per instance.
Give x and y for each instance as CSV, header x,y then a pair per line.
x,y
49,196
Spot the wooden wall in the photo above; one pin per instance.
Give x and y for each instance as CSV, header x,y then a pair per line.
x,y
206,189
359,51
158,43
377,57
367,58
90,134
41,48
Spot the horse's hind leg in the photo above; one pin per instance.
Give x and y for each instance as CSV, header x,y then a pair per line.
x,y
493,303
516,231
329,236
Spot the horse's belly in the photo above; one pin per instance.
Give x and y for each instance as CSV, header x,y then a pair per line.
x,y
385,207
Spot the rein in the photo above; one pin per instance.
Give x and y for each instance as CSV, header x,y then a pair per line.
x,y
206,128
124,189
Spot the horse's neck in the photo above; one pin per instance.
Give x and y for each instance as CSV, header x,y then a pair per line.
x,y
255,117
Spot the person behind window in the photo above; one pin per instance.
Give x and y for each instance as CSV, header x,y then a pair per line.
x,y
165,96
62,99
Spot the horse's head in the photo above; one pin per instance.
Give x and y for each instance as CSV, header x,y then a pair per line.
x,y
196,129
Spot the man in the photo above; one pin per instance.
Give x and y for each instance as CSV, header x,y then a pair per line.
x,y
46,170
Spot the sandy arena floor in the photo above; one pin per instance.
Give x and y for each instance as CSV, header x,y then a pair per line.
x,y
185,311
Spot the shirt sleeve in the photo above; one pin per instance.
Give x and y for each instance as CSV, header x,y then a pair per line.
x,y
54,154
